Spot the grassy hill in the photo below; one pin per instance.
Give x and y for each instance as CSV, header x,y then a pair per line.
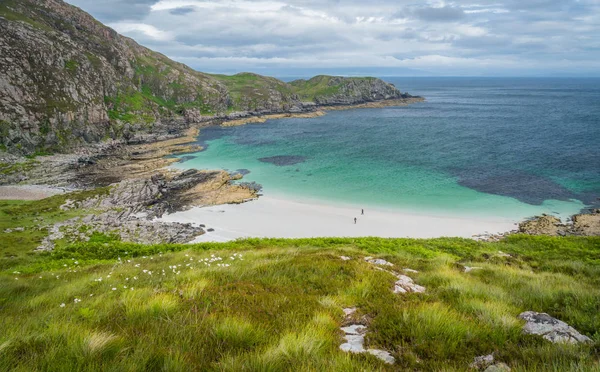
x,y
276,304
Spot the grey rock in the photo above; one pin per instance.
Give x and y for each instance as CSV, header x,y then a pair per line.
x,y
405,284
551,329
378,261
500,367
482,362
383,355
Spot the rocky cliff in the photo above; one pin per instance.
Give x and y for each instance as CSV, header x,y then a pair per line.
x,y
67,80
336,90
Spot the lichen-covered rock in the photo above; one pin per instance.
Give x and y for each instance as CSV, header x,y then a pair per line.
x,y
551,329
500,367
378,261
405,284
584,224
542,225
482,362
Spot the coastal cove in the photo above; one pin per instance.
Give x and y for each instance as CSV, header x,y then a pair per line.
x,y
446,158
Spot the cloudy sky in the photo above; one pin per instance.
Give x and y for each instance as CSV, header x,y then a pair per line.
x,y
385,37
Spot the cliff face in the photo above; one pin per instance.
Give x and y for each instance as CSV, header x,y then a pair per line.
x,y
67,80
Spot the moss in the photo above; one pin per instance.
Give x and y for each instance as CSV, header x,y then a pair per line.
x,y
13,11
11,168
71,65
94,60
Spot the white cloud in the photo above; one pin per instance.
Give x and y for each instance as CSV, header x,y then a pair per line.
x,y
148,30
460,36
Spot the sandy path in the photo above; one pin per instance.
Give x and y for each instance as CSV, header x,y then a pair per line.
x,y
27,192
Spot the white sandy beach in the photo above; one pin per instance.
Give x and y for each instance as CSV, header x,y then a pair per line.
x,y
280,218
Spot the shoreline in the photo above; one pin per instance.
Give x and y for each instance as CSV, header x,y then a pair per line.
x,y
276,217
321,110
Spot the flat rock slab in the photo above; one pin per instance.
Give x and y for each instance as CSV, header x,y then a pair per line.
x,y
551,329
354,335
500,367
378,261
405,284
383,355
349,311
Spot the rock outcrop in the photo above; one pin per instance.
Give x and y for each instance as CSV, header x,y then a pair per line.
x,y
551,329
68,80
585,224
354,335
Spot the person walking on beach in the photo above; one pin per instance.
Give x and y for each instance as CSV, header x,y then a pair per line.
x,y
362,211
355,220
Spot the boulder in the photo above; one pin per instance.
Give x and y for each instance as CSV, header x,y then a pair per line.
x,y
551,329
500,367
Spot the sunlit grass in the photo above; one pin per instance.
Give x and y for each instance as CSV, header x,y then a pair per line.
x,y
276,305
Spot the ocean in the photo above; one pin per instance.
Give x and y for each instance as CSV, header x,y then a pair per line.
x,y
479,147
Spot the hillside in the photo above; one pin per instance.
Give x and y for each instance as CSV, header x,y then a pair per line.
x,y
336,90
67,80
279,305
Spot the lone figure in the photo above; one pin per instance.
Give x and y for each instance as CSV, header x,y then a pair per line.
x,y
355,220
362,211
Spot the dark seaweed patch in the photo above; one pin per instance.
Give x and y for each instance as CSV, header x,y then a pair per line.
x,y
283,160
526,187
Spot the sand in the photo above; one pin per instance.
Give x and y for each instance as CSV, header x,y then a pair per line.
x,y
283,218
27,192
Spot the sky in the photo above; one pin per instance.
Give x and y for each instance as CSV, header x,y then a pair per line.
x,y
379,37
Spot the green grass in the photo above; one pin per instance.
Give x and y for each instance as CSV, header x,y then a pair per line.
x,y
10,168
71,65
12,11
279,306
321,86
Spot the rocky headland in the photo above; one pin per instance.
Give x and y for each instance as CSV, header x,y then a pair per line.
x,y
69,81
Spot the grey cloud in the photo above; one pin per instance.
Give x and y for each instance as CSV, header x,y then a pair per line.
x,y
442,14
544,33
114,10
183,10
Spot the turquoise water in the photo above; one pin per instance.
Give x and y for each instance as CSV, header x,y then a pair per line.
x,y
478,147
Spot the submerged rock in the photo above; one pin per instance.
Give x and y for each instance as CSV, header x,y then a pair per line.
x,y
551,329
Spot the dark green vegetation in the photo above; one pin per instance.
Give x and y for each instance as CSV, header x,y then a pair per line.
x,y
278,307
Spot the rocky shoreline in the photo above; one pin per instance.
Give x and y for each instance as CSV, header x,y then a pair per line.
x,y
141,187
